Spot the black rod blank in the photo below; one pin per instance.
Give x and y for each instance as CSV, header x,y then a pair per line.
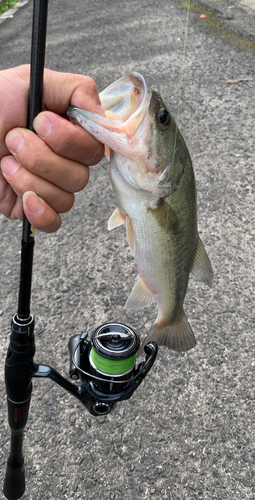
x,y
34,107
37,59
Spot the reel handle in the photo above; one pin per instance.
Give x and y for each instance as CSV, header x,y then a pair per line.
x,y
151,351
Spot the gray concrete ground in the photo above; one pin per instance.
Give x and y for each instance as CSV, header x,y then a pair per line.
x,y
188,431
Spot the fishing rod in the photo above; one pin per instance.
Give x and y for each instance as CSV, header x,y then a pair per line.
x,y
105,364
19,359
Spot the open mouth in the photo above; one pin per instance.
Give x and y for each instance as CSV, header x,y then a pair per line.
x,y
125,103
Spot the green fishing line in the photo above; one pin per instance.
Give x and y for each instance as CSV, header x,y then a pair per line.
x,y
182,69
111,366
180,91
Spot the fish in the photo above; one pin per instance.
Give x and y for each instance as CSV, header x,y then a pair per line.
x,y
153,181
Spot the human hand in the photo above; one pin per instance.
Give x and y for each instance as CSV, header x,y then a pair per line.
x,y
44,171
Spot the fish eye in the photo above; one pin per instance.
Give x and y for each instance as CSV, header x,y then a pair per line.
x,y
163,117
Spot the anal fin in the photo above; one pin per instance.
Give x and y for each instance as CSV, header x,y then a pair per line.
x,y
201,267
130,235
140,296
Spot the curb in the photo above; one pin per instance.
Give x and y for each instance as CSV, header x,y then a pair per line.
x,y
248,5
10,12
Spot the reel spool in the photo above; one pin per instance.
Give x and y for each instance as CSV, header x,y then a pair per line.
x,y
110,361
112,356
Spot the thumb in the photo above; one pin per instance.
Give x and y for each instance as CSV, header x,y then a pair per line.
x,y
63,89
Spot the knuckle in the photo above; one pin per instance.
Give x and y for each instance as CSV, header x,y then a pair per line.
x,y
3,188
96,155
85,93
34,162
81,185
32,155
88,83
24,185
7,199
10,205
81,180
66,201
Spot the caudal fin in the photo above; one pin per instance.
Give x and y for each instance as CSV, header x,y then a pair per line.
x,y
177,336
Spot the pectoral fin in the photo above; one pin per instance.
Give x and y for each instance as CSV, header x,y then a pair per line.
x,y
165,216
201,267
140,296
107,152
117,219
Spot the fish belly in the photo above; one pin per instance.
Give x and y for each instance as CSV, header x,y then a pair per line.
x,y
163,259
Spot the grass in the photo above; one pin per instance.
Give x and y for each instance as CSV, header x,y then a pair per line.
x,y
6,4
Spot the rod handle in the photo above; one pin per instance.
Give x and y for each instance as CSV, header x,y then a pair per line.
x,y
14,483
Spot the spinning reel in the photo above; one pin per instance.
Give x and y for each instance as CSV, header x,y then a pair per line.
x,y
106,366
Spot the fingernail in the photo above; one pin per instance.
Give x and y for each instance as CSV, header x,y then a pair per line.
x,y
14,142
42,126
33,202
9,166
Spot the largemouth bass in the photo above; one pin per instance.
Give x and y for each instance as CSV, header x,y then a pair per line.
x,y
153,181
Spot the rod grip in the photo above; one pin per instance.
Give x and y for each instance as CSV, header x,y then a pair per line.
x,y
14,483
18,374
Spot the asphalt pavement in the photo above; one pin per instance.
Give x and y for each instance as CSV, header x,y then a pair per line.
x,y
188,431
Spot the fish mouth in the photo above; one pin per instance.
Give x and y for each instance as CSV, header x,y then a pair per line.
x,y
127,99
125,103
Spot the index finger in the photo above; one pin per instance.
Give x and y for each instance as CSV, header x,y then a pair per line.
x,y
64,138
67,139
